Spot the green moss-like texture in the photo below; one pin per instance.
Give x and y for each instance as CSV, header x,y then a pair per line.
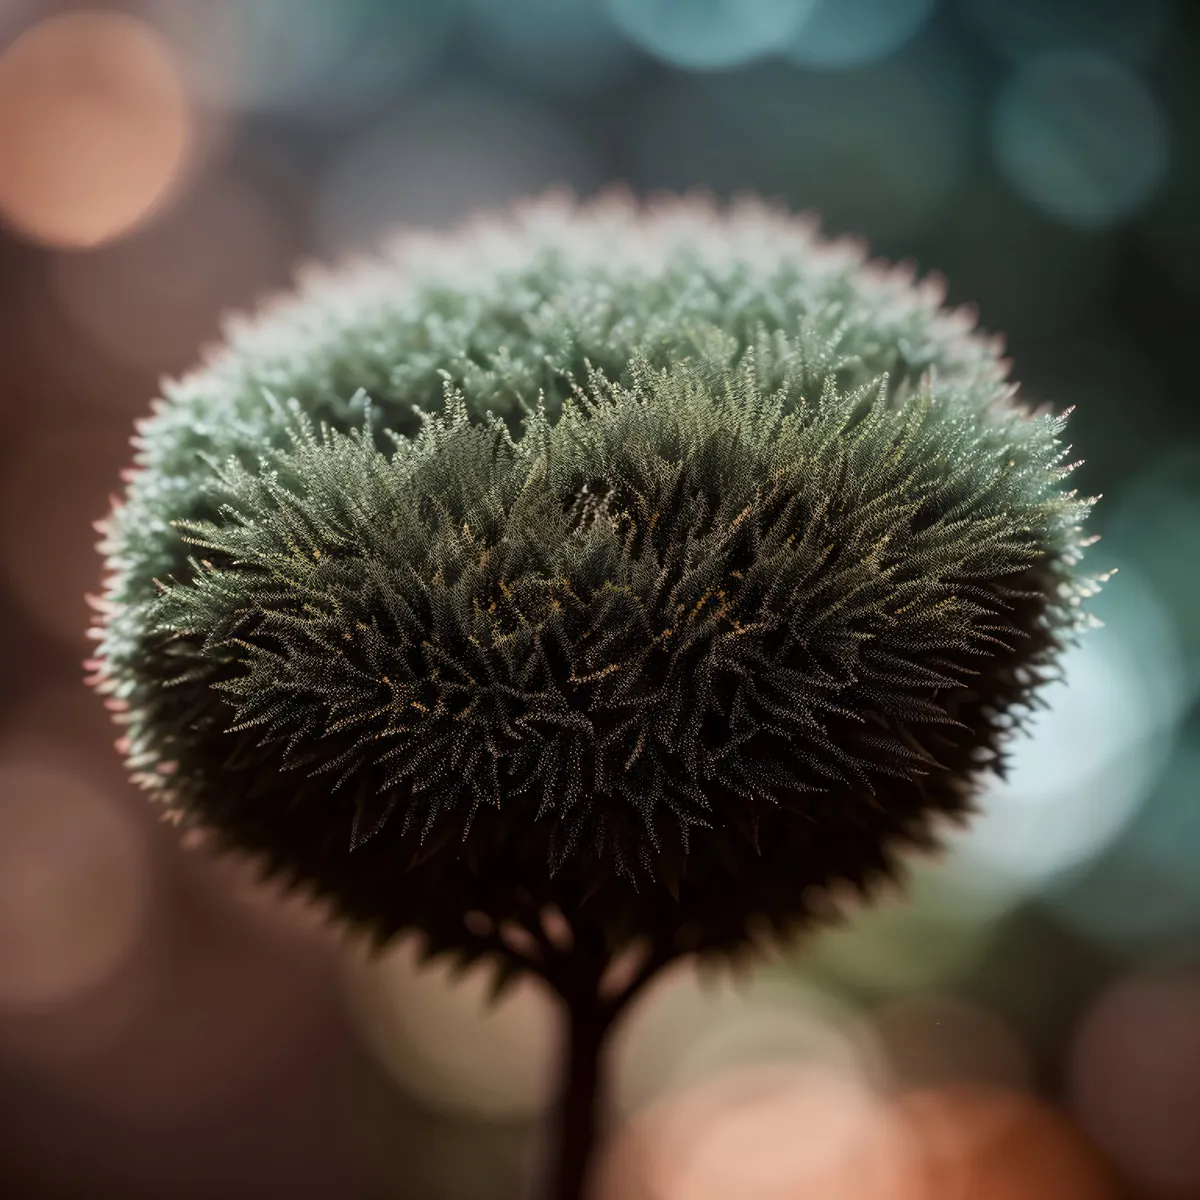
x,y
666,566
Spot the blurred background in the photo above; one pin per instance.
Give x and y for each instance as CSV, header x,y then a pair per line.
x,y
1025,1021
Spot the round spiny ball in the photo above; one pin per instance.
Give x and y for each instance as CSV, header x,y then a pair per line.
x,y
669,567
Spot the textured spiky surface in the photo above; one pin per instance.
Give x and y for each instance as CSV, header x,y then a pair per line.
x,y
667,567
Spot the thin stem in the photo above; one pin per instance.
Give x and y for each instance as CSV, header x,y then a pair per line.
x,y
580,1091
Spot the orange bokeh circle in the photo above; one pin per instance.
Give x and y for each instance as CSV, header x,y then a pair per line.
x,y
95,127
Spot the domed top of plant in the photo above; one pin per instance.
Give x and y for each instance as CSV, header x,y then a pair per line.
x,y
664,567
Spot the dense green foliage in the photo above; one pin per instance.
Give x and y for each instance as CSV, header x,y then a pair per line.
x,y
668,568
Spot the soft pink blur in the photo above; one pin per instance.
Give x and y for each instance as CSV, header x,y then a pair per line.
x,y
94,127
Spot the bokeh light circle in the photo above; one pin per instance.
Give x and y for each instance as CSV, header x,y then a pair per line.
x,y
1081,137
763,1133
95,127
845,33
74,885
687,1028
438,1035
708,34
984,1143
779,1030
1146,891
1092,755
1135,1078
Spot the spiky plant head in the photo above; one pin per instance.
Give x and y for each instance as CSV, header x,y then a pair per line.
x,y
668,567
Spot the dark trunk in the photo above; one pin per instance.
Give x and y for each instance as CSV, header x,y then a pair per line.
x,y
577,1113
